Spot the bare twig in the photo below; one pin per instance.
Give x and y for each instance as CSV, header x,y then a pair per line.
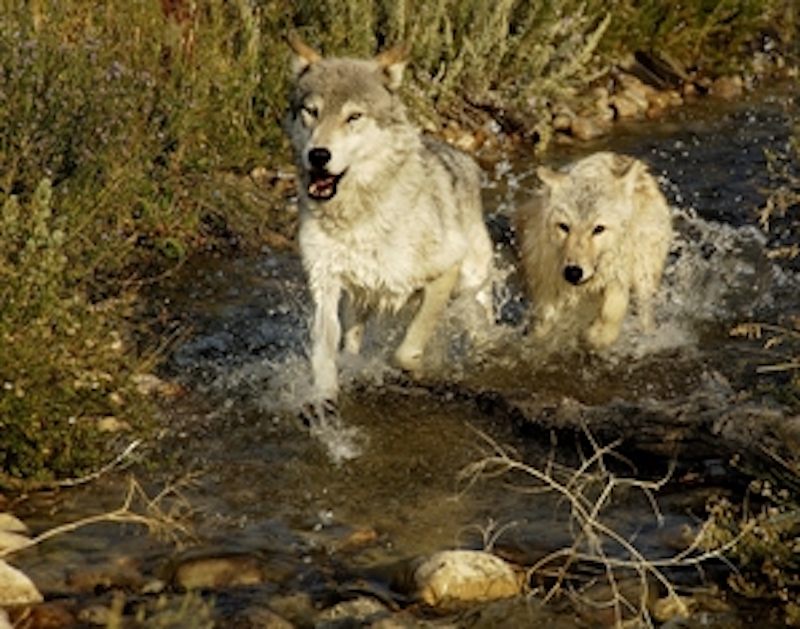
x,y
588,490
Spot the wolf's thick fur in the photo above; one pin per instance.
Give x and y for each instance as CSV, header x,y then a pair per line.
x,y
593,234
385,212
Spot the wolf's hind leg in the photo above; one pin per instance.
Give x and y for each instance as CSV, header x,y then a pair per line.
x,y
434,300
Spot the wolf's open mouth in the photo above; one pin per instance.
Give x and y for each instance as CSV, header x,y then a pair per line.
x,y
322,185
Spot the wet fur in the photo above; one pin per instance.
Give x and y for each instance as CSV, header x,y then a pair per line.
x,y
405,215
605,221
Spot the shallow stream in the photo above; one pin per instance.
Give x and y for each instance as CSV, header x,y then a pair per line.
x,y
329,515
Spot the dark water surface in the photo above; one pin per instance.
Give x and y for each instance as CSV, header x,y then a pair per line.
x,y
262,485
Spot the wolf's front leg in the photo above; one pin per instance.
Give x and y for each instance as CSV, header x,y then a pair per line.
x,y
325,337
544,319
434,300
605,330
353,319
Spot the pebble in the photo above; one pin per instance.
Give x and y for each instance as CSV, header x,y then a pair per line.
x,y
261,618
584,128
16,588
727,87
11,523
218,572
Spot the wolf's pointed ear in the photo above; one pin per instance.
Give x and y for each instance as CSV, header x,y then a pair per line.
x,y
628,171
305,55
393,63
551,178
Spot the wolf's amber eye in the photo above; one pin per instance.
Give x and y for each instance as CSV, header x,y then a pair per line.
x,y
599,229
564,227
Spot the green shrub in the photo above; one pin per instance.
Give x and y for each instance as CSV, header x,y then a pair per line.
x,y
66,363
712,36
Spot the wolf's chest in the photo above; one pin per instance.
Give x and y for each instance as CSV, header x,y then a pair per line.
x,y
378,267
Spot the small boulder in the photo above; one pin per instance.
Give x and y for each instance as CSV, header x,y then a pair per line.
x,y
453,578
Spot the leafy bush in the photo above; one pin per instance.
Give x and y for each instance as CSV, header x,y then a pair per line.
x,y
65,362
713,36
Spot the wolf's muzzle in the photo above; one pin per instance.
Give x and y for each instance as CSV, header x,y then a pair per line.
x,y
322,183
573,274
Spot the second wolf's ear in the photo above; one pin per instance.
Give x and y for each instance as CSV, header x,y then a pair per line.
x,y
305,55
393,63
628,171
548,176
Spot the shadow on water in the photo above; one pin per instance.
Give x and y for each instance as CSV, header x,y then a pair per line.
x,y
264,486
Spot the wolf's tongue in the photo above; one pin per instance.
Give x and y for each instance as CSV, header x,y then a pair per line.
x,y
323,187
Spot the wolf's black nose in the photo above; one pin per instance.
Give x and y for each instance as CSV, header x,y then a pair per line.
x,y
573,274
318,158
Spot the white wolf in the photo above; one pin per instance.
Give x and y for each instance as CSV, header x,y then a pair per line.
x,y
385,212
593,234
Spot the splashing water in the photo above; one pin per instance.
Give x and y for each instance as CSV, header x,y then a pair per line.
x,y
716,275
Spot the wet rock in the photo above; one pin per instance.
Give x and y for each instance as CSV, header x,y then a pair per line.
x,y
625,107
711,421
357,540
583,128
659,102
456,577
261,618
632,97
58,614
217,572
297,607
12,524
358,612
727,87
121,572
13,541
399,621
562,117
602,106
16,588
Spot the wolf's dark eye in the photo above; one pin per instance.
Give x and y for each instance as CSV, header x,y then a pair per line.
x,y
564,227
599,229
310,111
354,116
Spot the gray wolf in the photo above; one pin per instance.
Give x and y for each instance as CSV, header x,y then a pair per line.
x,y
384,211
595,233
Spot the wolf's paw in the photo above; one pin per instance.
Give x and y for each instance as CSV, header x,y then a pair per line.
x,y
409,360
542,329
601,335
317,413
